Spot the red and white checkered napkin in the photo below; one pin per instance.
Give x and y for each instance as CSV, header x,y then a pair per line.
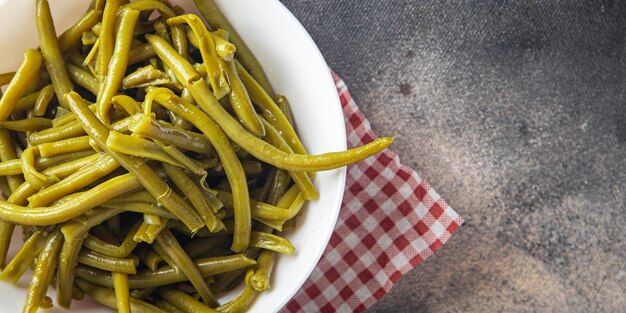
x,y
390,221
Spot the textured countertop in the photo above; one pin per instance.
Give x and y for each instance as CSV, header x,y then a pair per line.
x,y
515,112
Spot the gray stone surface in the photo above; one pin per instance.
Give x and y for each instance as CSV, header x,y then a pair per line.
x,y
514,111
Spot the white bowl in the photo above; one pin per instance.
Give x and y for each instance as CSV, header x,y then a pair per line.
x,y
295,68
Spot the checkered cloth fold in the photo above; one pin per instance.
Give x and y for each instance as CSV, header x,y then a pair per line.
x,y
390,221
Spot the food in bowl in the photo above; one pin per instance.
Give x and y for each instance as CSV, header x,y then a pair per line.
x,y
154,154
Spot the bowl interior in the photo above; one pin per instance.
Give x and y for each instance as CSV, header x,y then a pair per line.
x,y
295,68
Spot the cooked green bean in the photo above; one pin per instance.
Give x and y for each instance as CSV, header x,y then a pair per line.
x,y
89,38
150,5
271,111
44,271
142,196
261,210
106,39
196,197
200,246
216,20
76,181
271,242
27,125
68,130
147,257
140,54
240,304
26,102
127,103
187,162
285,107
157,187
51,52
116,67
207,50
25,74
142,293
184,301
43,99
83,78
73,34
138,147
262,271
25,257
122,294
7,152
227,155
107,263
225,49
187,140
116,251
144,77
236,132
148,233
11,167
45,162
141,207
179,39
31,175
152,219
106,296
299,178
49,149
168,247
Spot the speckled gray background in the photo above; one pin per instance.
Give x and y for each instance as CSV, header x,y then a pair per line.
x,y
515,112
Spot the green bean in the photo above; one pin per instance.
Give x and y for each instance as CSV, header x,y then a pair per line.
x,y
45,162
138,147
68,210
187,162
63,119
152,219
140,54
142,196
147,257
148,233
277,185
89,38
262,210
216,20
240,101
195,195
25,257
262,271
184,301
76,181
106,39
43,99
285,107
144,77
236,132
157,187
27,125
7,152
49,149
107,263
74,233
6,232
140,207
187,140
5,78
122,294
83,78
168,247
225,49
11,167
25,74
68,130
271,242
207,50
179,39
55,65
240,304
118,61
150,5
249,168
26,102
117,251
227,155
106,296
300,178
73,34
31,175
44,271
167,306
129,104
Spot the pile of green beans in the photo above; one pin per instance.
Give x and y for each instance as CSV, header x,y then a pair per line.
x,y
148,162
